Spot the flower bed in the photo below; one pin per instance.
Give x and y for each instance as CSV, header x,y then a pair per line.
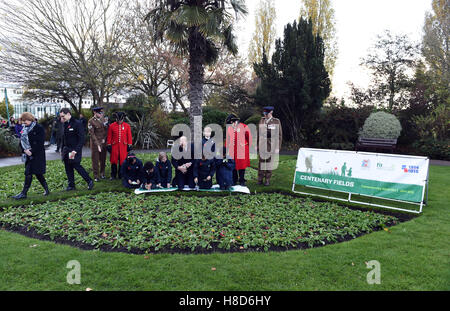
x,y
180,223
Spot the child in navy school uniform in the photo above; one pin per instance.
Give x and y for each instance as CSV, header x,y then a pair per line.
x,y
224,171
204,170
208,144
131,171
163,168
150,176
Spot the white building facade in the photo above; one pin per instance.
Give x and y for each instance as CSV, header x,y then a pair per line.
x,y
40,108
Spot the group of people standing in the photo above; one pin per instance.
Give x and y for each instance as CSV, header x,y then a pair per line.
x,y
15,126
229,167
116,138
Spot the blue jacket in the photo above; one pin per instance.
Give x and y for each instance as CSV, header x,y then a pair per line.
x,y
150,178
132,172
210,144
164,171
203,169
224,172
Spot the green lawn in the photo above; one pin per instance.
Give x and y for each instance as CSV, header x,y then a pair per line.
x,y
413,255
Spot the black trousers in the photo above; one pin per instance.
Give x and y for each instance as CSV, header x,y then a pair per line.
x,y
185,179
29,179
241,178
116,171
58,143
70,166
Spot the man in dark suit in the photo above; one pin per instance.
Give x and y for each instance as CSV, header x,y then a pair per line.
x,y
72,146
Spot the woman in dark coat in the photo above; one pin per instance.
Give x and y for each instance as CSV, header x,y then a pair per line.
x,y
32,144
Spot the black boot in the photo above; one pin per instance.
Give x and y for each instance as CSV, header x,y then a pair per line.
x,y
113,171
43,182
45,186
26,186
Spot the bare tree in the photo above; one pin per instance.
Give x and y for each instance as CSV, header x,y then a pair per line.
x,y
64,47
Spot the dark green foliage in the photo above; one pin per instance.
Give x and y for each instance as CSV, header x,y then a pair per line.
x,y
296,82
213,116
143,101
178,118
131,112
420,104
254,119
434,149
3,109
8,142
338,126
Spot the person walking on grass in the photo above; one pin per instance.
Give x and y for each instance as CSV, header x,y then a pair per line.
x,y
72,147
32,144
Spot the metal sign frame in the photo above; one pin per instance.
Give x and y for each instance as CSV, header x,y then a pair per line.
x,y
349,199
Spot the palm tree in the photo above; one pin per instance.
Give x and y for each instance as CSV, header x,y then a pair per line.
x,y
197,28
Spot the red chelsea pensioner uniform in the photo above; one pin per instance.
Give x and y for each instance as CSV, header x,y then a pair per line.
x,y
119,137
239,141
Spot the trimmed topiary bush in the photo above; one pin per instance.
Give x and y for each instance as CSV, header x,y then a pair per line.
x,y
381,125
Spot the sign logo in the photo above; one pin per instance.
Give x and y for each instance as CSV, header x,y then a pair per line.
x,y
382,167
365,164
411,169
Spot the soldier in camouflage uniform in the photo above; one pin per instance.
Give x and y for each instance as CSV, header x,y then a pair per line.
x,y
98,130
268,125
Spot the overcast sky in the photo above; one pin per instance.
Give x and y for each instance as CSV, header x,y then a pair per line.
x,y
358,22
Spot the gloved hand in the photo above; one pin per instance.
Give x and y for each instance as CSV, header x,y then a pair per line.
x,y
129,148
109,148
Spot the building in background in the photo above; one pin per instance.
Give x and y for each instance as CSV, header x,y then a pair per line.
x,y
42,107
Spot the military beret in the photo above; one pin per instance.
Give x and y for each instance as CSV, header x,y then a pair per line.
x,y
268,108
95,109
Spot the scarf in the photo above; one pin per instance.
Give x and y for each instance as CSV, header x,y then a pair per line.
x,y
25,142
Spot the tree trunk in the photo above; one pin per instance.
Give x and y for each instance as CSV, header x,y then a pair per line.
x,y
196,77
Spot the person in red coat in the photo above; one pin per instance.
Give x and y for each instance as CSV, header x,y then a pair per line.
x,y
119,143
238,142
